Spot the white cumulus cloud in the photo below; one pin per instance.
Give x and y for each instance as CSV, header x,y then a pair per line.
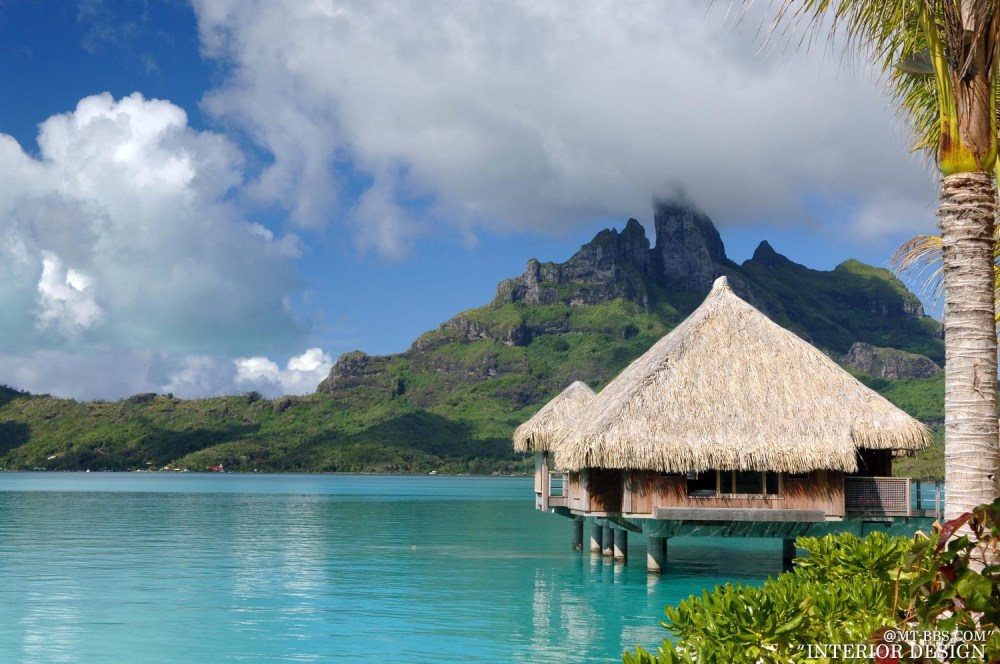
x,y
121,232
66,298
114,373
301,374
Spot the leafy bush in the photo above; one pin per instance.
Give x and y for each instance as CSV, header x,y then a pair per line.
x,y
841,593
855,591
951,582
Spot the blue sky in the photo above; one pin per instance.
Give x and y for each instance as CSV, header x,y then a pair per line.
x,y
220,196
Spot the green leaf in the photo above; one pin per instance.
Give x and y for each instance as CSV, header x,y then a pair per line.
x,y
975,589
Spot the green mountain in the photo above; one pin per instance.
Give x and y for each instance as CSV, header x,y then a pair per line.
x,y
451,401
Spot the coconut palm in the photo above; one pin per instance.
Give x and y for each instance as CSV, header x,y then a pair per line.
x,y
957,41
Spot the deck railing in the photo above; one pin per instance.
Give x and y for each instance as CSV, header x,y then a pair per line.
x,y
889,496
928,498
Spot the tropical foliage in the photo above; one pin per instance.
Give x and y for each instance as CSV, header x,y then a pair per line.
x,y
852,591
951,582
841,593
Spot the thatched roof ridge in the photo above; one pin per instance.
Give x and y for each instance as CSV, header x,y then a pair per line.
x,y
730,389
551,424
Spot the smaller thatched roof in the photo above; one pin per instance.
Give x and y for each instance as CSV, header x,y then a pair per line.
x,y
730,389
551,424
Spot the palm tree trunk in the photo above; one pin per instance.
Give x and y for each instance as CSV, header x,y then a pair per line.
x,y
972,447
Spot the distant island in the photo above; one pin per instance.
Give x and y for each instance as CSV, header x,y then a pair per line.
x,y
450,402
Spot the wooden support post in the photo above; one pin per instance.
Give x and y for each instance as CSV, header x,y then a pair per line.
x,y
577,535
938,507
787,553
595,537
546,482
608,541
621,544
656,555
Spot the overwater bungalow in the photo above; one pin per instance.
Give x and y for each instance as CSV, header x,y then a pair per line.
x,y
544,431
729,425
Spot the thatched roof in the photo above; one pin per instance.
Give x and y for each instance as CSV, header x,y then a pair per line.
x,y
730,389
552,423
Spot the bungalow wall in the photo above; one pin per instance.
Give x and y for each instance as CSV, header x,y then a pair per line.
x,y
542,481
577,491
645,491
638,493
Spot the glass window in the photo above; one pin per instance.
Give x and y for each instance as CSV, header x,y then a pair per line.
x,y
749,482
701,484
771,485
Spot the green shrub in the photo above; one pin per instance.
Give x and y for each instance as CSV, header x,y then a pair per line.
x,y
951,582
841,593
855,591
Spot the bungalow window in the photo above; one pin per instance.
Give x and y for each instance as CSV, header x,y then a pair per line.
x,y
705,483
748,482
772,487
735,482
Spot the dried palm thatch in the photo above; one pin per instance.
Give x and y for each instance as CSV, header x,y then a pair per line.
x,y
732,390
552,423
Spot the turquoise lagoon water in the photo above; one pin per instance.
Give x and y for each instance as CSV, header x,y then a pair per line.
x,y
105,567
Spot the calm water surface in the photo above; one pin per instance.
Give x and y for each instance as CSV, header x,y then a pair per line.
x,y
104,567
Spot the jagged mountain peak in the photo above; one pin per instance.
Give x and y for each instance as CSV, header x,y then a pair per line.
x,y
688,256
689,253
765,255
764,251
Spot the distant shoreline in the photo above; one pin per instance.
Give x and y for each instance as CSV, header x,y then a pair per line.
x,y
63,471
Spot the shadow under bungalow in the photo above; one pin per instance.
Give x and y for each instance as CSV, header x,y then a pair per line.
x,y
730,425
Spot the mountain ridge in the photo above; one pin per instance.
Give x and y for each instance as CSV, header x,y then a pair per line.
x,y
672,276
450,401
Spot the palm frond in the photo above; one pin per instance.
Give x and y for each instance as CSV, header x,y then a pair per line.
x,y
945,33
918,262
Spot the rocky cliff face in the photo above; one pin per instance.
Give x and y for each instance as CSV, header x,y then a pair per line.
x,y
610,266
689,254
351,369
688,257
890,362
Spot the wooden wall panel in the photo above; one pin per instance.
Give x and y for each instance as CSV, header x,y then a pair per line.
x,y
822,490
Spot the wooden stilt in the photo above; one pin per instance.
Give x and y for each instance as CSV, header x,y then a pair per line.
x,y
595,538
577,535
621,545
787,553
656,555
608,541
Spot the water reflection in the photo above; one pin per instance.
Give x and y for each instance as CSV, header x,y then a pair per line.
x,y
52,624
562,625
